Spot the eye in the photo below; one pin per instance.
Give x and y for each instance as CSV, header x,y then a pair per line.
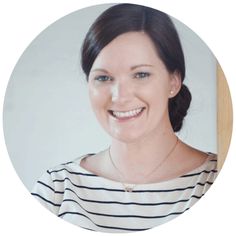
x,y
103,78
142,75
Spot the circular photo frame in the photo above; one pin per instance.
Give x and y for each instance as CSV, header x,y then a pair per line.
x,y
87,62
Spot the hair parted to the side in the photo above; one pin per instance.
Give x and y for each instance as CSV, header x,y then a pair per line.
x,y
123,18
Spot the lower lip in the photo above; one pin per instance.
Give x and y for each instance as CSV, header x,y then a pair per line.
x,y
122,119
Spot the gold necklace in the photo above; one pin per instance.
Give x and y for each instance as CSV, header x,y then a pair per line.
x,y
130,188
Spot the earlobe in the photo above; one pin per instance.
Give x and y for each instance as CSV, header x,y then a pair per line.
x,y
175,84
172,94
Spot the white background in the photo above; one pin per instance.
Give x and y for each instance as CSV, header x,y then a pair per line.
x,y
47,115
21,21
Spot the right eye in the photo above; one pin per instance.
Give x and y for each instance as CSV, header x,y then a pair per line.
x,y
103,78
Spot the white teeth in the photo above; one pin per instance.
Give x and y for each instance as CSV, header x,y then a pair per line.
x,y
121,114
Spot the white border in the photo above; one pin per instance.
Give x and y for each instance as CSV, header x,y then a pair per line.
x,y
21,21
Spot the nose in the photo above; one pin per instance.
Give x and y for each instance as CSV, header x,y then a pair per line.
x,y
121,92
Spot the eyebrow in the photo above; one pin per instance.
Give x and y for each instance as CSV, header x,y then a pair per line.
x,y
99,69
140,65
132,68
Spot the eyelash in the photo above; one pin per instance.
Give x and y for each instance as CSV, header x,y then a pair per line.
x,y
138,75
103,78
142,75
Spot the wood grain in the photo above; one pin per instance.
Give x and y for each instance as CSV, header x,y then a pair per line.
x,y
224,116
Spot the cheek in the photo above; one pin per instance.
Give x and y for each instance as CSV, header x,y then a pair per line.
x,y
98,99
156,92
94,97
157,98
93,92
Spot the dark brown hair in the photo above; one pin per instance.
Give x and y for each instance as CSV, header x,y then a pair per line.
x,y
123,18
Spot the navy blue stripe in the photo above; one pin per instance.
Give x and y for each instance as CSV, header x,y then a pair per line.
x,y
40,182
72,172
86,187
107,215
46,200
134,191
128,216
101,226
87,228
118,228
198,173
133,203
116,202
125,216
59,192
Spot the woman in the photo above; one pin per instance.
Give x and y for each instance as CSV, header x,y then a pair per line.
x,y
134,64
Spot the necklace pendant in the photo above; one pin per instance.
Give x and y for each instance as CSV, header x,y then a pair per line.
x,y
128,189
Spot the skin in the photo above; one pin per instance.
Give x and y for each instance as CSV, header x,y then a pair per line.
x,y
128,75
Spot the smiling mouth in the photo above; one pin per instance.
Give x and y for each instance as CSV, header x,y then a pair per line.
x,y
124,115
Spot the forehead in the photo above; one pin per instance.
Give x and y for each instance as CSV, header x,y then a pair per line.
x,y
127,50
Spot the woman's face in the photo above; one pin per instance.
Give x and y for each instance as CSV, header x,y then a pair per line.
x,y
129,88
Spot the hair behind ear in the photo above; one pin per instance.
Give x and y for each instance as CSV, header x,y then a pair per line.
x,y
178,107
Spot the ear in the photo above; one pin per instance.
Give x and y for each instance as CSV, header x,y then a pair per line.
x,y
175,84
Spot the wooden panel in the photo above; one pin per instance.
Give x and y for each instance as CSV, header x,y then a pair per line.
x,y
224,116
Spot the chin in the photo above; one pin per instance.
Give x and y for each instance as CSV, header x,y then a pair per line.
x,y
127,138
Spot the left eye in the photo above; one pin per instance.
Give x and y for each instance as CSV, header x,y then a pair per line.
x,y
142,75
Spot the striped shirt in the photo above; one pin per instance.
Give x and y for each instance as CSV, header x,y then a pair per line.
x,y
100,204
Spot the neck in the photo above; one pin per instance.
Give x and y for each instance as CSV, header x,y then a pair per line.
x,y
135,160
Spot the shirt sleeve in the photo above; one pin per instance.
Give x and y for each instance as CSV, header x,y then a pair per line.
x,y
44,191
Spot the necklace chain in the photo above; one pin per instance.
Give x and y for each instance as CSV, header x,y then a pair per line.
x,y
129,188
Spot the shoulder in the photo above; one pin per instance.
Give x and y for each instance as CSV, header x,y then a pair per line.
x,y
95,163
193,157
62,171
206,172
210,165
190,160
54,183
72,167
58,177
